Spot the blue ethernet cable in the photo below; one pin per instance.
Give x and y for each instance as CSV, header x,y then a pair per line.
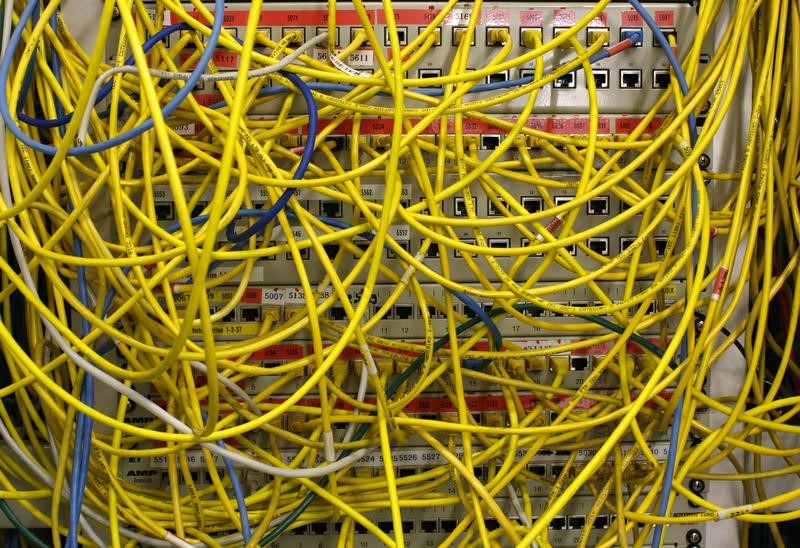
x,y
11,540
167,109
264,217
84,423
64,119
238,491
669,476
670,55
299,172
296,512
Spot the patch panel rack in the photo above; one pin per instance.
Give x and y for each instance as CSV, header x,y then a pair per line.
x,y
517,20
600,209
272,303
554,378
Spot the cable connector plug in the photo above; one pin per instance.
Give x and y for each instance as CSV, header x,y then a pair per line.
x,y
630,39
328,445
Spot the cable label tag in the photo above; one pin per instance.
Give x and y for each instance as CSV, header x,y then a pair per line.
x,y
664,18
361,58
719,283
460,17
186,130
734,512
553,225
273,295
298,233
400,233
377,193
531,18
630,18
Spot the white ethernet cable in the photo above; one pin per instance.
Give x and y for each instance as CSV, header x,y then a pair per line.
x,y
132,395
169,75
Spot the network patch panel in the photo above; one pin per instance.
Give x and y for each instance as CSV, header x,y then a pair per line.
x,y
471,282
589,252
558,111
630,86
401,319
415,460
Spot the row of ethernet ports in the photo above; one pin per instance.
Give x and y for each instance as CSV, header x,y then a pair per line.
x,y
542,471
403,312
600,245
559,523
414,312
495,207
334,209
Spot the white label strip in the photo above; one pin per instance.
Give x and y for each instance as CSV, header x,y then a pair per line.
x,y
400,233
363,58
417,456
273,296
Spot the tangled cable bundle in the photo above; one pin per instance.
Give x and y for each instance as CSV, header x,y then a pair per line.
x,y
117,305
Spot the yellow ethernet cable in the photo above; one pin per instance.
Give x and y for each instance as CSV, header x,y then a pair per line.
x,y
325,283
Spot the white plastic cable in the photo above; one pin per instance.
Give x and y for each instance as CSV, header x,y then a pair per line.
x,y
517,504
169,75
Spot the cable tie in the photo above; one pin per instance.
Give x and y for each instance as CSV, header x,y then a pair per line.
x,y
407,275
475,364
322,288
727,513
719,283
327,443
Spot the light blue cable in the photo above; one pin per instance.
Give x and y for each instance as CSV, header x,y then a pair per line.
x,y
63,119
673,61
84,426
169,108
669,476
84,423
238,491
